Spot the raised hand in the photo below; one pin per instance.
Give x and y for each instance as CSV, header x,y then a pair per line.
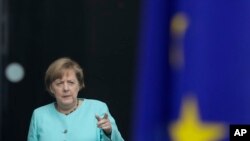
x,y
104,124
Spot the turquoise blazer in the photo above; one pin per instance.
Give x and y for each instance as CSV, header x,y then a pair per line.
x,y
47,124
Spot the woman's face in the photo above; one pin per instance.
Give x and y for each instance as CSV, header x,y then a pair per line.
x,y
66,89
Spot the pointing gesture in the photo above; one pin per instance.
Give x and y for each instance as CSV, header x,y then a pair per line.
x,y
104,123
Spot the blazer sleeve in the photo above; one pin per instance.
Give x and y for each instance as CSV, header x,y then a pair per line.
x,y
115,134
32,134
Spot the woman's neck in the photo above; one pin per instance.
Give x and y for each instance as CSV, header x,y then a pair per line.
x,y
67,109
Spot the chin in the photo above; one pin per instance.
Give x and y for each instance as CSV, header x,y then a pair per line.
x,y
67,101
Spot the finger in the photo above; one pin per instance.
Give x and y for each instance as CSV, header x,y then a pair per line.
x,y
107,124
102,122
105,116
105,127
98,117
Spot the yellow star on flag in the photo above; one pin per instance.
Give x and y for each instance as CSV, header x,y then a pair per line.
x,y
190,128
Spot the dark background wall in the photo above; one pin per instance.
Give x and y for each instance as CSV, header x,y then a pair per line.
x,y
100,34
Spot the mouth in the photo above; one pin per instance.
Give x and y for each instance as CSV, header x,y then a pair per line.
x,y
66,96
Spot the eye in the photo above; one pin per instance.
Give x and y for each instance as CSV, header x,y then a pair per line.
x,y
58,83
71,82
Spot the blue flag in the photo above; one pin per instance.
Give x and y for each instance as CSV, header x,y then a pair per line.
x,y
152,77
192,84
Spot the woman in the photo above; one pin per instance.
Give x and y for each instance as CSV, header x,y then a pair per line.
x,y
70,118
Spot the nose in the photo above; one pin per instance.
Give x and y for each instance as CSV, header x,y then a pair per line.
x,y
65,87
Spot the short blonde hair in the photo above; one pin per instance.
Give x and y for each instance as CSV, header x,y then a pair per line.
x,y
57,68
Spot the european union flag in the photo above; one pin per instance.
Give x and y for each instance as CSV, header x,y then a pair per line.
x,y
192,84
152,77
